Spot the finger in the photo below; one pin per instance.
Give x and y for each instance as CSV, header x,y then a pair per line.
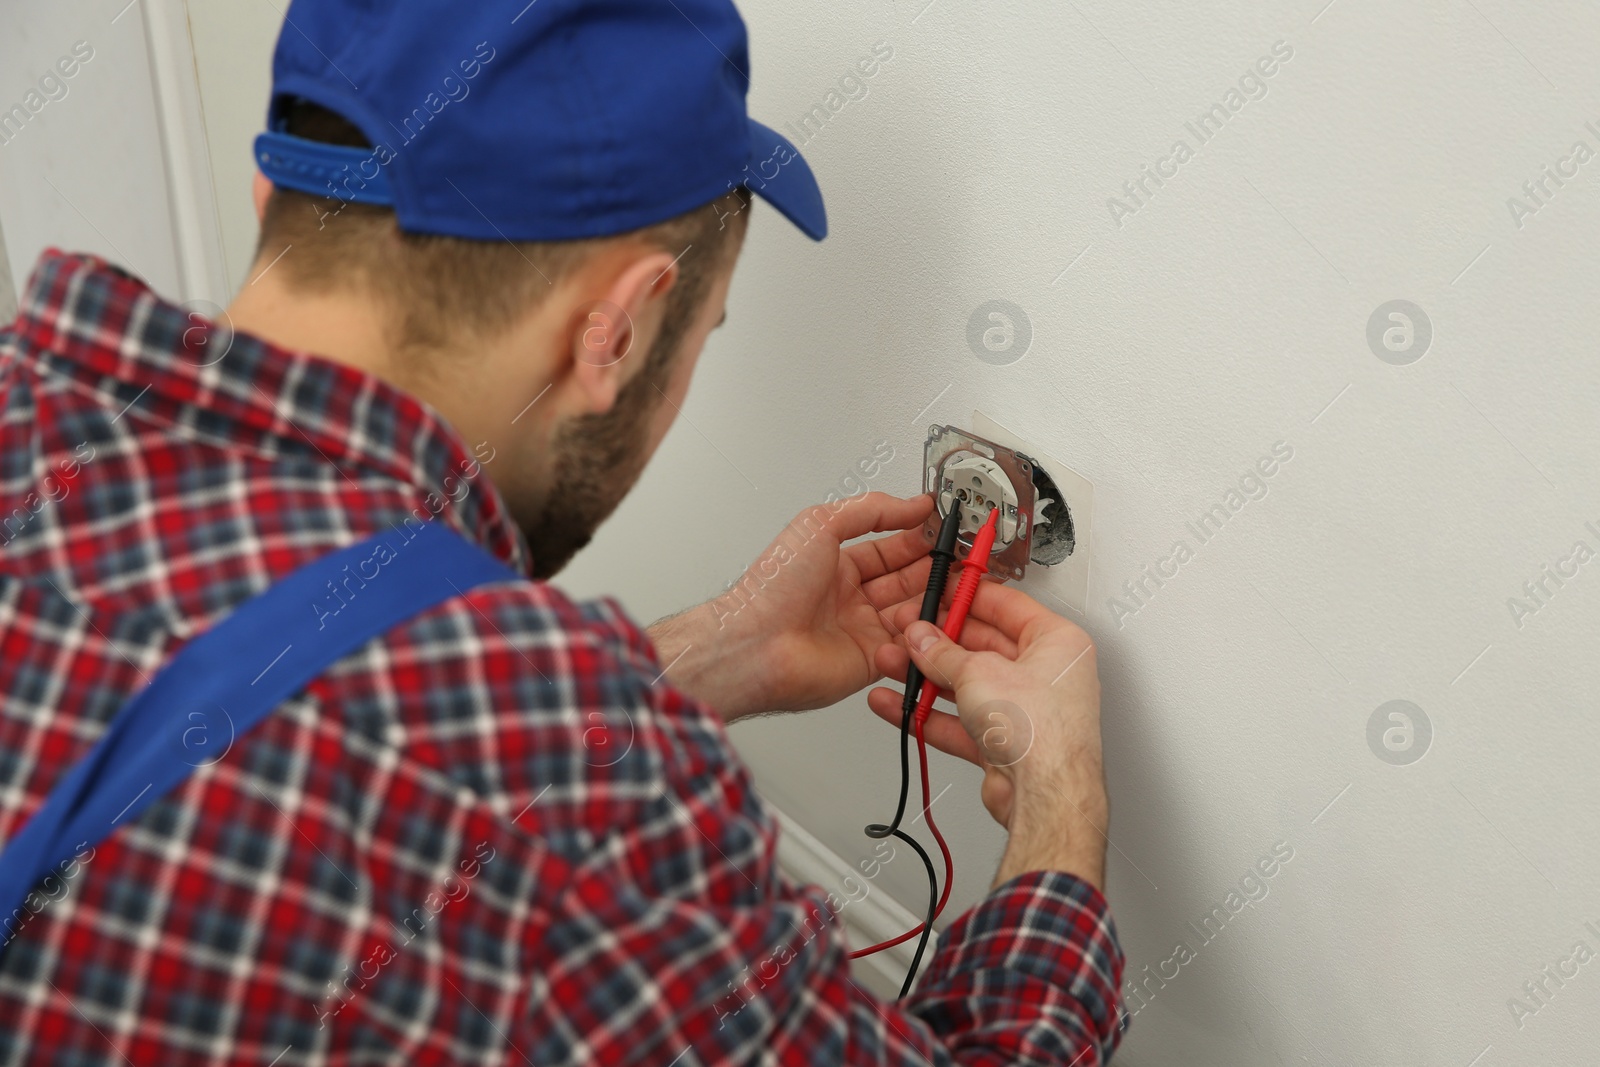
x,y
886,558
892,660
907,612
944,732
868,513
911,582
914,597
1013,612
976,635
905,584
936,655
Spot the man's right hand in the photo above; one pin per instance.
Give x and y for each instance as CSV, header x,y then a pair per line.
x,y
1027,695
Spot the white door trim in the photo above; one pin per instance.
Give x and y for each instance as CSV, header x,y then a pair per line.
x,y
191,190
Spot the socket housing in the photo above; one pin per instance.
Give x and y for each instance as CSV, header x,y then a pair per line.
x,y
981,473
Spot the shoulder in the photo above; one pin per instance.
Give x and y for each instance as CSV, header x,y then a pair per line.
x,y
549,707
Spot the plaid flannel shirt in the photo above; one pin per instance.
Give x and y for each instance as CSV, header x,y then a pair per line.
x,y
493,835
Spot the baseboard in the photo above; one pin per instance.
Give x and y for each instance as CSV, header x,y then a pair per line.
x,y
875,917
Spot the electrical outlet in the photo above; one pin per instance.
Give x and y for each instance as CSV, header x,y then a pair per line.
x,y
1063,513
980,475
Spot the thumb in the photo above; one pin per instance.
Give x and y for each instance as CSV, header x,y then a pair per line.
x,y
938,657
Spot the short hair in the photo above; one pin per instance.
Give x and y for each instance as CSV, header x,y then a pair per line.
x,y
442,289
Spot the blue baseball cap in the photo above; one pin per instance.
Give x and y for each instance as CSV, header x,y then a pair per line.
x,y
530,121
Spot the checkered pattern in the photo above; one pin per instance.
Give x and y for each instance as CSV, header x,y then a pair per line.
x,y
490,836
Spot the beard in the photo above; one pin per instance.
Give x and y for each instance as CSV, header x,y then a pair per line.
x,y
597,460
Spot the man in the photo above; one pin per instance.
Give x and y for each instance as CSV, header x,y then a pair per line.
x,y
493,243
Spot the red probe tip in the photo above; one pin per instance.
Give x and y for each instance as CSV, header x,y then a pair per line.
x,y
983,542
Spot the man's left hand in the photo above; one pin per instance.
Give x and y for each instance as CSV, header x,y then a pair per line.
x,y
802,627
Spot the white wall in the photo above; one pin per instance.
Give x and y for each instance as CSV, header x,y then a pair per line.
x,y
103,144
8,285
85,171
1229,312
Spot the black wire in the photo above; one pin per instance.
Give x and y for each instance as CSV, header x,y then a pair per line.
x,y
878,829
933,903
943,555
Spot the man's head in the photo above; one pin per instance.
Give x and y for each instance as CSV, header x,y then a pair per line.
x,y
568,358
529,223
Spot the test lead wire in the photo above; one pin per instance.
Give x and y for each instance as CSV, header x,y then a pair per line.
x,y
942,556
974,567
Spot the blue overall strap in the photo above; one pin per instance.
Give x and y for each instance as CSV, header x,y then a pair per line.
x,y
261,654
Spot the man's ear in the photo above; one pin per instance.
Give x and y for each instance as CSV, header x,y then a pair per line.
x,y
260,189
610,334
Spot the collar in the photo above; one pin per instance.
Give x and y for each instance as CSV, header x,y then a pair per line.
x,y
182,365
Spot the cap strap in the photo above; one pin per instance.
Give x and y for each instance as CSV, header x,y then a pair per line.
x,y
342,171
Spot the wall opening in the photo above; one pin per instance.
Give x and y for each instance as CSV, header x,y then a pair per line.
x,y
1053,535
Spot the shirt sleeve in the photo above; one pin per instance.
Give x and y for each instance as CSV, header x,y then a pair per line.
x,y
678,942
1031,974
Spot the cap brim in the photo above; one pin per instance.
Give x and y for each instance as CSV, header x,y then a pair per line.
x,y
780,176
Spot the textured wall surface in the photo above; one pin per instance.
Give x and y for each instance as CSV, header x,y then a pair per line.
x,y
8,286
80,165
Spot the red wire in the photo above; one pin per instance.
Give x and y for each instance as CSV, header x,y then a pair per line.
x,y
927,815
973,569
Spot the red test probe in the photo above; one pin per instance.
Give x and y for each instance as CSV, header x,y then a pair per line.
x,y
973,568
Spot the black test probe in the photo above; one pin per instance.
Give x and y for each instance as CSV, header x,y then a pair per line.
x,y
942,556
